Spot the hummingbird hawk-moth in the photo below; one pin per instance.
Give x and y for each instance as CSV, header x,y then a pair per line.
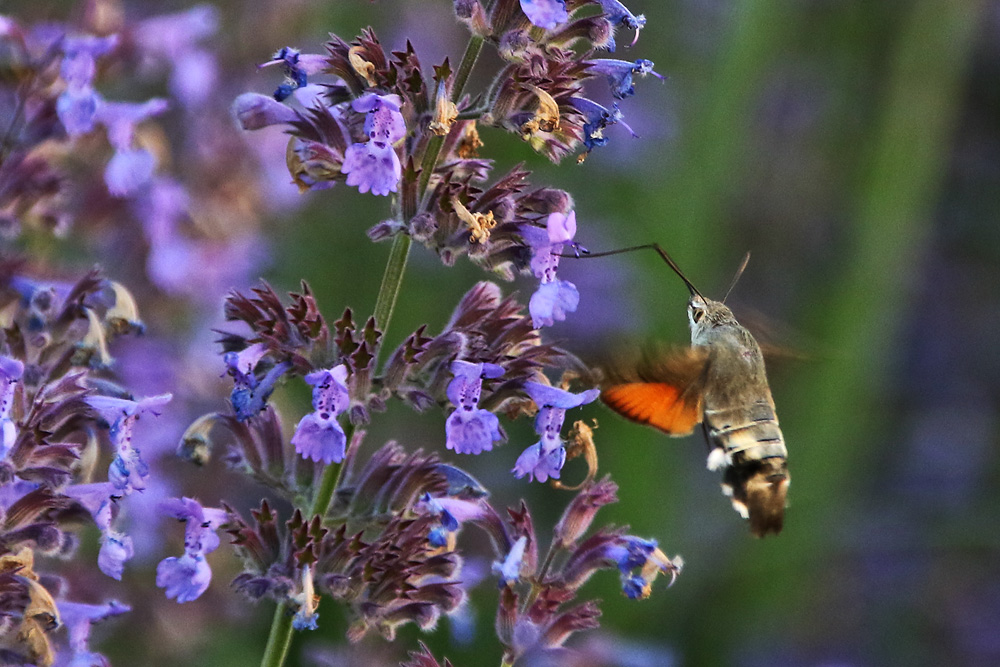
x,y
719,381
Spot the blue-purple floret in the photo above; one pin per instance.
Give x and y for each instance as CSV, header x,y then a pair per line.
x,y
620,73
546,457
548,14
319,436
373,165
470,429
186,577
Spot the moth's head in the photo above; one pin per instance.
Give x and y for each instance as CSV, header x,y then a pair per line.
x,y
704,314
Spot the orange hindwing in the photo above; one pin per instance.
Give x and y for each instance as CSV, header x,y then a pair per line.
x,y
663,389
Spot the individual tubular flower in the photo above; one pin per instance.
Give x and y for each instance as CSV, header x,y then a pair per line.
x,y
639,561
128,472
618,14
319,436
598,118
78,618
451,513
554,297
130,168
619,73
297,68
509,570
250,394
374,165
254,111
545,458
306,617
11,371
547,14
186,578
77,105
470,429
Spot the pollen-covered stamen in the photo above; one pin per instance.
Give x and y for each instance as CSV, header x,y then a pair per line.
x,y
479,224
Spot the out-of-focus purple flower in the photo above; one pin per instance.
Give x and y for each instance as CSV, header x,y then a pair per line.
x,y
78,617
121,118
298,67
469,429
620,72
618,14
116,549
78,104
554,297
186,577
509,571
319,435
128,170
374,165
11,371
254,111
127,472
76,109
172,39
545,458
546,14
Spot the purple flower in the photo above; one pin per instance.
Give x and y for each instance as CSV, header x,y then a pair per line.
x,y
319,435
297,67
551,301
116,549
254,111
546,14
121,118
598,118
545,458
374,165
184,578
249,395
553,298
127,472
618,14
78,104
96,498
128,170
469,429
509,571
77,617
172,39
619,73
76,108
11,371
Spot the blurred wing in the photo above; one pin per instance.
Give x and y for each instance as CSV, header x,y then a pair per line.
x,y
659,405
663,390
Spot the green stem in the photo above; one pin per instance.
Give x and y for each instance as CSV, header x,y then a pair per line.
x,y
392,280
280,638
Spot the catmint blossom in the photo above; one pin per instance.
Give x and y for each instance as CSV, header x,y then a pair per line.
x,y
548,14
598,117
128,472
546,457
250,394
77,105
130,168
618,14
319,435
509,570
77,618
374,165
554,297
11,371
254,111
186,577
116,550
470,429
297,67
619,73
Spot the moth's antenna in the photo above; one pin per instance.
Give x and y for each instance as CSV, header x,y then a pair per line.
x,y
652,246
736,278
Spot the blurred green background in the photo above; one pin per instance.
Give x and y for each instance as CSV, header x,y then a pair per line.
x,y
853,148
